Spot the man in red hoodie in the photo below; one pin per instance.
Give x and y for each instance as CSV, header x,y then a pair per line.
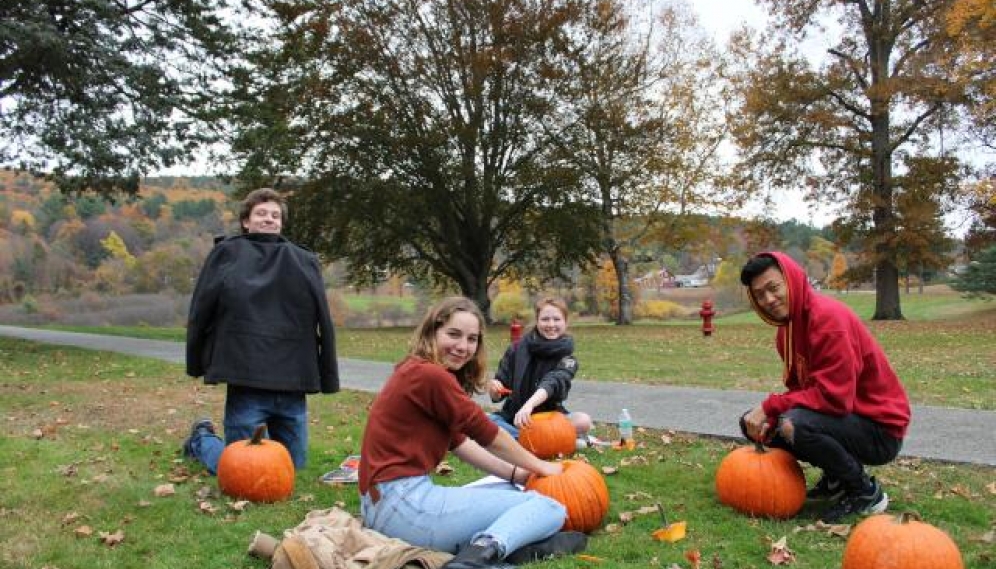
x,y
844,407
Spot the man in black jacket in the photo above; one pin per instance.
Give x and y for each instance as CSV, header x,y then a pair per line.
x,y
260,322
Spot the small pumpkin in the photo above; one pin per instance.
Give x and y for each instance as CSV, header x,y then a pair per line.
x,y
549,434
761,481
256,469
885,541
579,488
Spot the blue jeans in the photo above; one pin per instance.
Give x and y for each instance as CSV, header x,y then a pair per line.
x,y
285,414
509,428
838,445
446,518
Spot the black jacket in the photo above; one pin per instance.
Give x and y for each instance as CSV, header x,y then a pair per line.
x,y
259,318
536,362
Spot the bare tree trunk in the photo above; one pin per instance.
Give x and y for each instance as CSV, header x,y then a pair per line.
x,y
624,315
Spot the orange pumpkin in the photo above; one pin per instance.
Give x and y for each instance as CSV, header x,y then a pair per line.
x,y
581,489
761,482
884,541
548,435
256,469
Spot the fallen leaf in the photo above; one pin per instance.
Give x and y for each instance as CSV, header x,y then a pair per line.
x,y
962,491
70,518
613,528
83,531
672,533
239,505
780,553
206,507
112,539
988,537
589,558
991,487
164,490
609,470
625,517
444,469
694,557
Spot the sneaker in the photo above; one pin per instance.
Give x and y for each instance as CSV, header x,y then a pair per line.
x,y
826,489
483,554
875,501
560,543
199,425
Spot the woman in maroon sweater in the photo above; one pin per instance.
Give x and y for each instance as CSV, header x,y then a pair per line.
x,y
425,410
843,406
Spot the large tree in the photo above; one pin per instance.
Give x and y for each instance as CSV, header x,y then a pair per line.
x,y
641,121
414,131
840,126
96,93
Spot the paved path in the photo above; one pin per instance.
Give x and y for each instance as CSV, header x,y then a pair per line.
x,y
955,435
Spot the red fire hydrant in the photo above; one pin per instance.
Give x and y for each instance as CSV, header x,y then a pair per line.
x,y
515,331
707,313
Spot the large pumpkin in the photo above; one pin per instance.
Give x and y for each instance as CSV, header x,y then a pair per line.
x,y
549,434
256,469
581,489
761,481
900,542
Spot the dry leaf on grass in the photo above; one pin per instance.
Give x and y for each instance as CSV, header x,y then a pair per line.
x,y
83,531
112,539
670,533
694,557
164,490
780,553
444,469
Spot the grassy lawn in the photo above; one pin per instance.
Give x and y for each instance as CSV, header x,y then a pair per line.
x,y
942,352
88,437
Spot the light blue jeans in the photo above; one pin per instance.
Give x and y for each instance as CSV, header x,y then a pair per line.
x,y
509,428
284,413
447,518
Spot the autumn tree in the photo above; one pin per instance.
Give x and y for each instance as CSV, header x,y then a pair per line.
x,y
98,93
411,136
886,88
972,25
641,121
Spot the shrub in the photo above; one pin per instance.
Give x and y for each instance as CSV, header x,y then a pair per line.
x,y
659,310
508,305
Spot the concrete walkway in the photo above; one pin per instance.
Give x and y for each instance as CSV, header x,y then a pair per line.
x,y
941,433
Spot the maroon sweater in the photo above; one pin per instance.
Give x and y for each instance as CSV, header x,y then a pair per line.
x,y
419,415
833,364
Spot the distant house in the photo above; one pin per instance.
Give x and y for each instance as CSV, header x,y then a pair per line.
x,y
697,279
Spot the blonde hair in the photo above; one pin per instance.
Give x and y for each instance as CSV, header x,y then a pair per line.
x,y
423,344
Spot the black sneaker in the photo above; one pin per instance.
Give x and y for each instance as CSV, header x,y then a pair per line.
x,y
478,556
874,501
826,489
560,543
204,424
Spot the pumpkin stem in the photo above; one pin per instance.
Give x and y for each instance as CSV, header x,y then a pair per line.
x,y
758,447
257,435
909,516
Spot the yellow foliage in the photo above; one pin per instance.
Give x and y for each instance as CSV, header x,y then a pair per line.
x,y
116,247
22,218
836,280
508,305
659,310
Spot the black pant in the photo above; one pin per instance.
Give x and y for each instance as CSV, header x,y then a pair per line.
x,y
839,445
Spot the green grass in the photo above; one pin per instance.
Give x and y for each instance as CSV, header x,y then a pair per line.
x,y
111,428
942,352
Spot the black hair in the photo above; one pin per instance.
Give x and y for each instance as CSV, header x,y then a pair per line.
x,y
755,266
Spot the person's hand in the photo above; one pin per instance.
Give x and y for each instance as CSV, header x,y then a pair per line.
x,y
756,424
524,417
497,390
551,468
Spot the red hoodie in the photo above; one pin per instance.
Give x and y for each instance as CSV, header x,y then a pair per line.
x,y
833,365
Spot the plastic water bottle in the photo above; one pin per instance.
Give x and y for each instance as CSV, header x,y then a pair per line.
x,y
625,428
